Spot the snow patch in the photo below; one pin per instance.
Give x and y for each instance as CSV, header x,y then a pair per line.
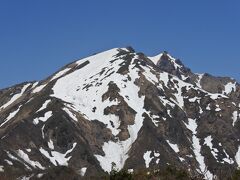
x,y
60,73
178,95
71,115
50,144
15,97
83,171
10,116
230,87
28,150
8,162
153,118
208,107
173,146
26,158
192,126
156,58
237,157
131,171
34,85
16,159
40,175
198,83
208,142
42,130
47,115
166,102
217,108
156,154
150,76
147,158
227,159
39,88
193,99
169,112
44,106
164,77
216,96
58,158
181,159
1,169
234,117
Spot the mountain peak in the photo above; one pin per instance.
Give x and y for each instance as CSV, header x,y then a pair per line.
x,y
118,107
164,56
169,64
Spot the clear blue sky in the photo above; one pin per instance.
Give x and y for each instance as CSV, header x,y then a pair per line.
x,y
38,37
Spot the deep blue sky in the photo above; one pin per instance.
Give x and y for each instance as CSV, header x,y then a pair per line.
x,y
38,37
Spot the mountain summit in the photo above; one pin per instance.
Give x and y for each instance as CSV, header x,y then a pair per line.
x,y
123,108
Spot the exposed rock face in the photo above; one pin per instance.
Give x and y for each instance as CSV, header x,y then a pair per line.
x,y
125,108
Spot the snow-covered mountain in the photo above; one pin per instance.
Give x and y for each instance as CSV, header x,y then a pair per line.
x,y
125,108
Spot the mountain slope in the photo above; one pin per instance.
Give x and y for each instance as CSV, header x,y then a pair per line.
x,y
125,108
